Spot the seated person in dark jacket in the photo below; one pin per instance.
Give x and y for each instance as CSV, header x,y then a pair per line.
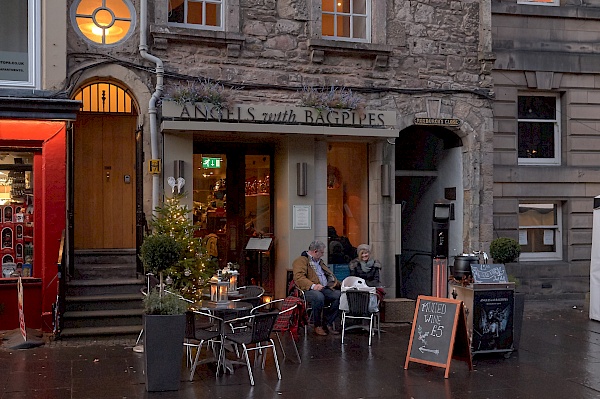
x,y
367,268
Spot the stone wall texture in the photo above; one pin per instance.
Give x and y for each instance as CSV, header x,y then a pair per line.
x,y
419,51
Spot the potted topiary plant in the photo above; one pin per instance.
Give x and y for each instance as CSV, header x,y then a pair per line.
x,y
507,250
164,318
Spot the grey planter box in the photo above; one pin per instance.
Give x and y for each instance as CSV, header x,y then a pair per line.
x,y
163,351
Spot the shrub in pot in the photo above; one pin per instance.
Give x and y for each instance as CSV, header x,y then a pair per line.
x,y
505,250
164,318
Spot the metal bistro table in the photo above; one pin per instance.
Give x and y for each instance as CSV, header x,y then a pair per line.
x,y
225,311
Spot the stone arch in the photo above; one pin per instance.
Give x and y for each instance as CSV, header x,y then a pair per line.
x,y
121,76
469,147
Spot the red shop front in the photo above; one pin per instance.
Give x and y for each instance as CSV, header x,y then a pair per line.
x,y
33,176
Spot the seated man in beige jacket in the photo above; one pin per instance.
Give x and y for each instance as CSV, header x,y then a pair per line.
x,y
321,288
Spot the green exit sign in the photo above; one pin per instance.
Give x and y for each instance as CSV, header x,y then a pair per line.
x,y
211,163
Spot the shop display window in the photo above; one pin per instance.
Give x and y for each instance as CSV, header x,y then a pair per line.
x,y
16,213
347,200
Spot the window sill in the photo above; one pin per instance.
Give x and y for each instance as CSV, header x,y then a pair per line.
x,y
163,34
380,52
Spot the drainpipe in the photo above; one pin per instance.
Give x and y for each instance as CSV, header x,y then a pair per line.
x,y
154,99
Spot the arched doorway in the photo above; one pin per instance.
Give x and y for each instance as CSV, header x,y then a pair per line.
x,y
429,167
104,164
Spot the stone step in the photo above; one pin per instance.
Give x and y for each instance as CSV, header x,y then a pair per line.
x,y
117,256
89,271
103,318
104,302
102,333
104,286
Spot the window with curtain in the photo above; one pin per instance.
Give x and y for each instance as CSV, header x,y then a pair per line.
x,y
540,229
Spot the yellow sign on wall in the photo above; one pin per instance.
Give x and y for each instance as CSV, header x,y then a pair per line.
x,y
154,166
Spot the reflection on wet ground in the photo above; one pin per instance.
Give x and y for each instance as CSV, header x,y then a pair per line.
x,y
558,357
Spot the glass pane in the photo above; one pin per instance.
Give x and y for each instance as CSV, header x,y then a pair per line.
x,y
119,8
327,25
258,190
540,240
328,5
537,215
537,107
536,140
16,213
117,31
13,26
343,26
89,29
176,11
194,13
347,199
213,14
342,6
87,7
359,7
359,28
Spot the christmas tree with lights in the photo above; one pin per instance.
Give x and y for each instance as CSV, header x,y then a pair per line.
x,y
195,267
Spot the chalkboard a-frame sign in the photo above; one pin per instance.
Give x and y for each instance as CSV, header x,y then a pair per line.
x,y
440,329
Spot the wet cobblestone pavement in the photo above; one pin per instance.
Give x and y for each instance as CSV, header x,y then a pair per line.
x,y
558,357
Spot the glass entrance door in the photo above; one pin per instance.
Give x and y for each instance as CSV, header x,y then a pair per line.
x,y
233,203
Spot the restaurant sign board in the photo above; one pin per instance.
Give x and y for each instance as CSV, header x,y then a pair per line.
x,y
275,114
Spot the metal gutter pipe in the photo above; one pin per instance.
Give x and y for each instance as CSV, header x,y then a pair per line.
x,y
158,90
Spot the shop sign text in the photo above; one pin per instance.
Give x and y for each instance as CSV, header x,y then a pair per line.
x,y
279,115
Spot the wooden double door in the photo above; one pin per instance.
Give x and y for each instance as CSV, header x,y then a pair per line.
x,y
104,181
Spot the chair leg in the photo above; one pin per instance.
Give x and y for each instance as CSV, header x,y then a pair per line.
x,y
248,364
137,341
198,348
295,346
280,343
343,325
370,329
275,359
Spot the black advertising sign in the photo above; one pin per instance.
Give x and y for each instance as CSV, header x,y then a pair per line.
x,y
492,273
493,320
439,333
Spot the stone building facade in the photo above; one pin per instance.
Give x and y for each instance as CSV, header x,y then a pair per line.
x,y
546,140
425,64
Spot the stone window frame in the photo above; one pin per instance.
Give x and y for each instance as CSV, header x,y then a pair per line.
x,y
556,227
34,44
543,3
230,37
319,45
556,159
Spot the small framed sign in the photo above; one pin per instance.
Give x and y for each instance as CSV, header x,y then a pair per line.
x,y
154,166
302,217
